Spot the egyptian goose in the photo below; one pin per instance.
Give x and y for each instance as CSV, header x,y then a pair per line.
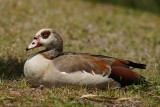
x,y
53,67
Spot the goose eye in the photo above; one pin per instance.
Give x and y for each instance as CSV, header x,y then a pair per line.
x,y
45,34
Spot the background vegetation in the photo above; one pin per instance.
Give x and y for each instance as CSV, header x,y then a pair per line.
x,y
119,28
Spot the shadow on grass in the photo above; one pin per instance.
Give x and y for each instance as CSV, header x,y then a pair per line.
x,y
11,68
152,6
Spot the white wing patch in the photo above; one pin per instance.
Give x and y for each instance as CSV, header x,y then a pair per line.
x,y
63,73
93,72
84,72
108,73
109,70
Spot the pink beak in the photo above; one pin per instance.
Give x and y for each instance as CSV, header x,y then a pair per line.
x,y
34,44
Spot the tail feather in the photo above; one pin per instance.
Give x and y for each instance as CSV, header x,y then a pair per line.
x,y
137,65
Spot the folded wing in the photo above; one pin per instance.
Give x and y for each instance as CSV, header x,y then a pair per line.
x,y
117,69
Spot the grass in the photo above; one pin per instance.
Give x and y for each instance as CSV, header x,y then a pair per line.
x,y
86,26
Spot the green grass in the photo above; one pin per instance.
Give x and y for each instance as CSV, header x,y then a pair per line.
x,y
86,26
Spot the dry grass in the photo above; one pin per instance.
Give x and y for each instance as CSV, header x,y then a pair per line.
x,y
86,26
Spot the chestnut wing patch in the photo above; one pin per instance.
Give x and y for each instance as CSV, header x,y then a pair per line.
x,y
124,76
121,62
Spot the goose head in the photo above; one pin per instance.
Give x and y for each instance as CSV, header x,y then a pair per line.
x,y
48,38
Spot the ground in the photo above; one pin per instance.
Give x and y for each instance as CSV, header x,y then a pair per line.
x,y
96,27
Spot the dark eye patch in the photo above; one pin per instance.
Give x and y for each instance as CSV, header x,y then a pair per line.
x,y
45,34
33,43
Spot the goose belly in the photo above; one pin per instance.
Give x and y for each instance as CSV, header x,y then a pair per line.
x,y
79,78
